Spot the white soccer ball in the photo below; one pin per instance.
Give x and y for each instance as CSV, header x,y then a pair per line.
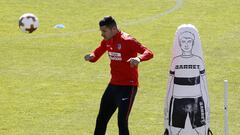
x,y
28,23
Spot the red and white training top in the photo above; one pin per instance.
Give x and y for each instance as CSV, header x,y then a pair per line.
x,y
121,48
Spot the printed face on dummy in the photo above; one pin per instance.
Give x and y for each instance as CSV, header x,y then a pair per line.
x,y
186,44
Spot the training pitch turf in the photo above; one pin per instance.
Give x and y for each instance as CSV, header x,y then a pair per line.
x,y
46,88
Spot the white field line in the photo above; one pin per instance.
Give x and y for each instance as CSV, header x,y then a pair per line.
x,y
147,19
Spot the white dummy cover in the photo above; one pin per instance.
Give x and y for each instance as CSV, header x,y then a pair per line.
x,y
187,63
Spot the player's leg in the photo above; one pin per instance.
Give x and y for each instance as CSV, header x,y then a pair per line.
x,y
199,117
201,130
107,108
125,101
175,131
209,132
178,115
166,132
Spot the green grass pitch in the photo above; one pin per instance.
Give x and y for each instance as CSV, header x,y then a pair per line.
x,y
46,88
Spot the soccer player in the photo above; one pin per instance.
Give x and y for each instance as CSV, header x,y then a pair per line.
x,y
123,52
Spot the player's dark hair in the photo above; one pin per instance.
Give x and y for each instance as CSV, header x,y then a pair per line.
x,y
107,21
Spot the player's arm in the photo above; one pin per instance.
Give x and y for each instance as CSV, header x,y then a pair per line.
x,y
204,90
169,94
204,87
145,53
96,54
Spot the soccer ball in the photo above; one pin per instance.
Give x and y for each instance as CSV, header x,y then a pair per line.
x,y
28,23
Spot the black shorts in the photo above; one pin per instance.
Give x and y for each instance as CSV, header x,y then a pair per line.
x,y
179,108
115,97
